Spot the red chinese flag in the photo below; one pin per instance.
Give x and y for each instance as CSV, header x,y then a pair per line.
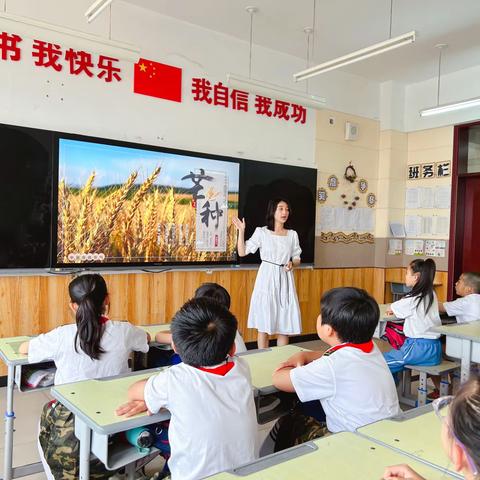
x,y
158,80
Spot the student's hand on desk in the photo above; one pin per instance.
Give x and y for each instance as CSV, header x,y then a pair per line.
x,y
297,360
389,312
401,471
132,408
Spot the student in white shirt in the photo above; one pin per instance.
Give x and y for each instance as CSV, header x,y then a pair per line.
x,y
460,417
213,421
92,347
351,379
216,292
419,308
467,307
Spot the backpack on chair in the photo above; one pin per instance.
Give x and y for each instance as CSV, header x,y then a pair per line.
x,y
394,334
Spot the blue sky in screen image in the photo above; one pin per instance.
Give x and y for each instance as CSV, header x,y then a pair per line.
x,y
114,164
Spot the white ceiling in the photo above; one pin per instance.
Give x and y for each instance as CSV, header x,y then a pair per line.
x,y
343,26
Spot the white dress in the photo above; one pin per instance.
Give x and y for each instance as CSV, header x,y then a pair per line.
x,y
274,305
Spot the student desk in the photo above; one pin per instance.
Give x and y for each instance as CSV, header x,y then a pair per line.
x,y
152,330
263,362
345,456
416,434
463,341
93,402
384,318
14,361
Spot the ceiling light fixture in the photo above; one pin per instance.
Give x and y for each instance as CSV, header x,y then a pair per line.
x,y
447,107
96,8
269,89
450,107
359,55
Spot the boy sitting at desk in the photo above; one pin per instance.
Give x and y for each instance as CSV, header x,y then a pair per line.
x,y
213,423
351,379
467,307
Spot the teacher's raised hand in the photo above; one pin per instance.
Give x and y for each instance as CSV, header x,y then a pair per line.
x,y
240,224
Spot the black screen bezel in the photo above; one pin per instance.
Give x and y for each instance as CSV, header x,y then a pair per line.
x,y
140,146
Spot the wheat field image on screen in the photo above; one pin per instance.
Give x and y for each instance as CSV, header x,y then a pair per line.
x,y
140,219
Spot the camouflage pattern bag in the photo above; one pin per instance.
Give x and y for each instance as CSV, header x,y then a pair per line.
x,y
60,445
296,428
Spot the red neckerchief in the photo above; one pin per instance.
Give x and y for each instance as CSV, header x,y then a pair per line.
x,y
221,370
366,347
104,319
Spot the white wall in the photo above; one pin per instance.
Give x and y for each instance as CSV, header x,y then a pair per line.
x,y
43,98
392,106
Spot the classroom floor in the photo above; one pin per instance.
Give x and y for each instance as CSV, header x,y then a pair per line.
x,y
29,406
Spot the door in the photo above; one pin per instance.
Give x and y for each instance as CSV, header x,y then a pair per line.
x,y
471,226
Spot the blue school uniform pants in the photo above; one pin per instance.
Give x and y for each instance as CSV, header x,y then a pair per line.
x,y
415,351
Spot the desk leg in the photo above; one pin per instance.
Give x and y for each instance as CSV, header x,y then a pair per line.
x,y
466,358
9,421
84,434
130,471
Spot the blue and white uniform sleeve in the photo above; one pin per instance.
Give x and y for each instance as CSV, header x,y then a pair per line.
x,y
254,242
315,381
137,339
404,307
296,246
156,392
45,346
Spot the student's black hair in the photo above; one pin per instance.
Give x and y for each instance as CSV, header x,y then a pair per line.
x,y
351,312
203,332
472,279
272,208
464,417
89,293
424,286
215,292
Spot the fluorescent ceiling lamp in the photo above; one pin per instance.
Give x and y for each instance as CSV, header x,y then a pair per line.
x,y
450,107
357,56
276,91
33,28
96,8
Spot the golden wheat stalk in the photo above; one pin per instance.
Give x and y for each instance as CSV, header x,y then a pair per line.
x,y
149,230
82,216
141,192
116,201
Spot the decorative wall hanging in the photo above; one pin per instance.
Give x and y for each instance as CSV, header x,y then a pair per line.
x,y
332,182
340,237
349,205
362,185
322,195
350,173
371,200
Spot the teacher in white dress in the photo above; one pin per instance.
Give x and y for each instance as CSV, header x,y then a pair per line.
x,y
274,305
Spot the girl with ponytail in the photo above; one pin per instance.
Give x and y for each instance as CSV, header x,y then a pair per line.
x,y
419,308
92,347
